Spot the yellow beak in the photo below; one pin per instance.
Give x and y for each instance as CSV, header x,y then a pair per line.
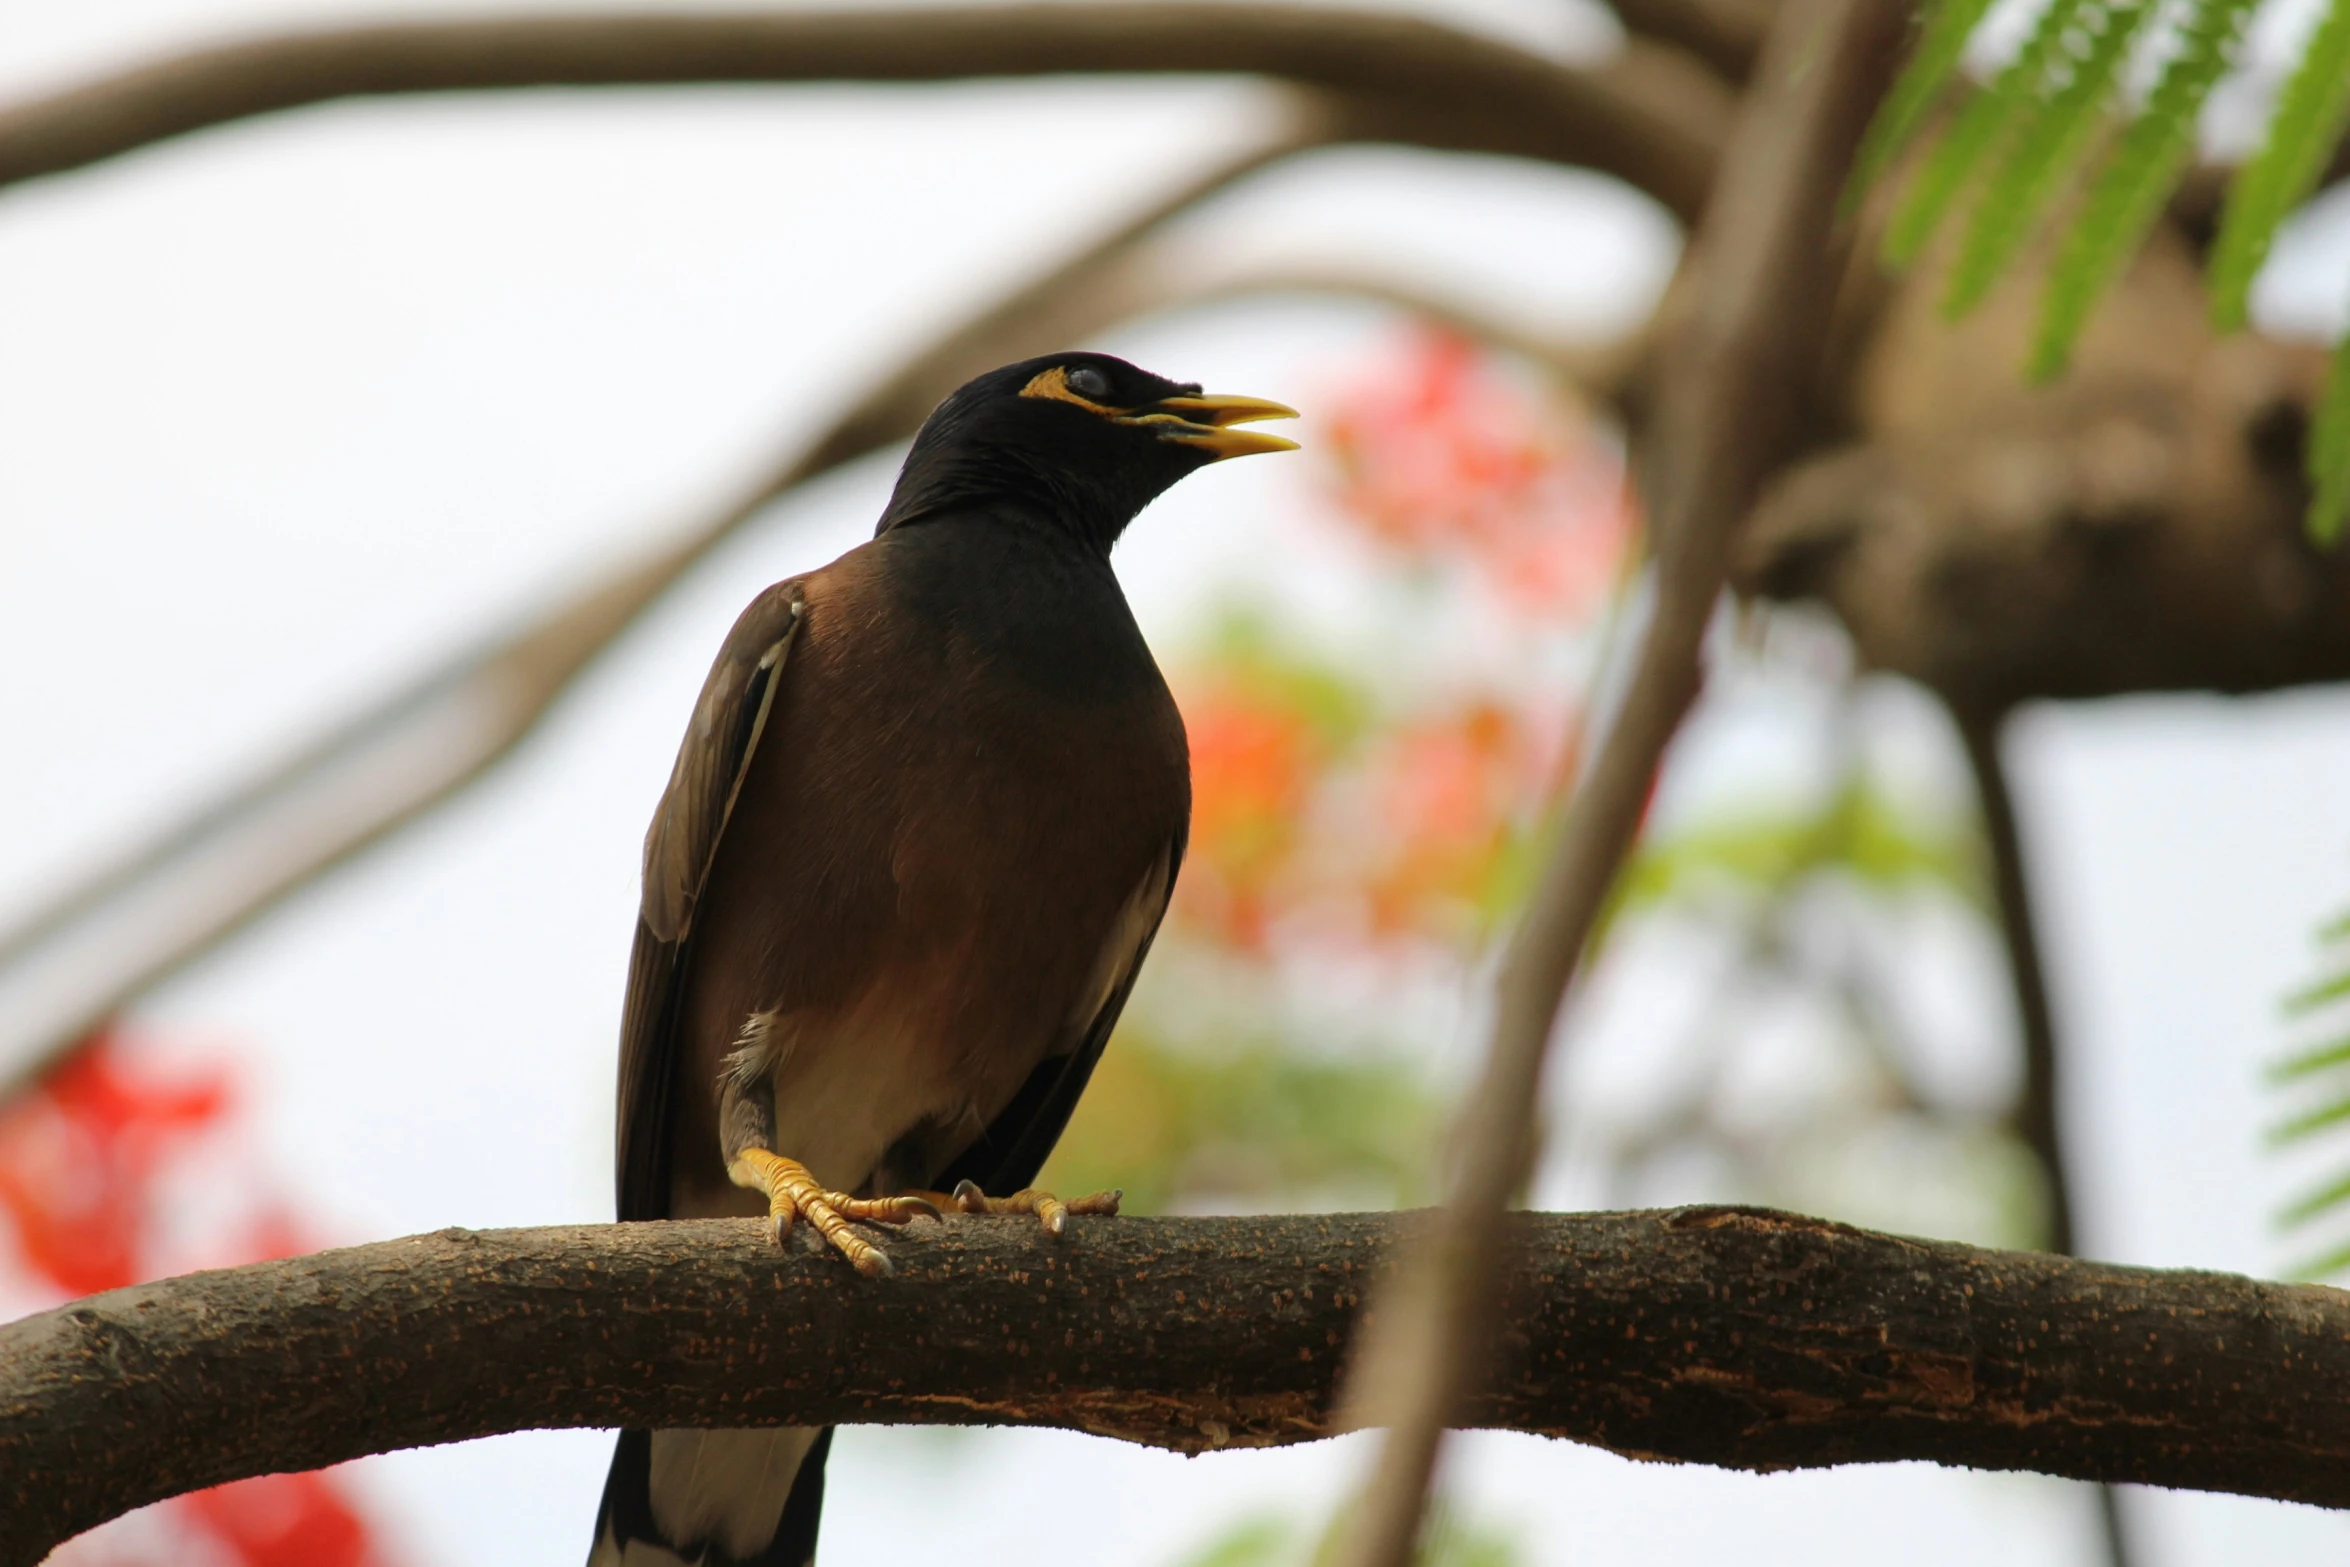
x,y
1206,422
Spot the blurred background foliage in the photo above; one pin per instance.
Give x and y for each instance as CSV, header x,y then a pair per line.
x,y
2314,1078
1365,824
1451,1540
2080,136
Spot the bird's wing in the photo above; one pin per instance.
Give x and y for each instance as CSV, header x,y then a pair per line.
x,y
679,847
1014,1147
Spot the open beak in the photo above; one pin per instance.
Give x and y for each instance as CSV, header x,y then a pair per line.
x,y
1206,422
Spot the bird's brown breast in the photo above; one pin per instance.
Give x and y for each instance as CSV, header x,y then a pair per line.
x,y
937,839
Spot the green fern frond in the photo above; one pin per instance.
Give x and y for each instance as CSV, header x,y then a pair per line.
x,y
2307,1063
2129,193
2300,1126
2324,1059
1976,131
1942,37
2301,137
2314,1204
2311,997
2329,470
2048,140
2323,1265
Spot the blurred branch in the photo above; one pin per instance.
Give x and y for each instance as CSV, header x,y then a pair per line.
x,y
2134,528
1597,370
1734,1337
84,955
1726,34
1732,378
2037,1118
1650,116
2039,1108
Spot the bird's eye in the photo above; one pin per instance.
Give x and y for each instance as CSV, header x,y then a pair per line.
x,y
1086,381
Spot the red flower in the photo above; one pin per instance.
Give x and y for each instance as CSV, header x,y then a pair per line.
x,y
80,1158
1446,462
85,1159
285,1520
1253,762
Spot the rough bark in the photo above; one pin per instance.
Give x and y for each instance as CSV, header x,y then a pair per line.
x,y
1735,1337
1651,116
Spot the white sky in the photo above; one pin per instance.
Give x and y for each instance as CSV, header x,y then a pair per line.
x,y
288,407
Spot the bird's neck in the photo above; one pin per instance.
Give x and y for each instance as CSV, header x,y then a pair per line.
x,y
1023,596
1005,486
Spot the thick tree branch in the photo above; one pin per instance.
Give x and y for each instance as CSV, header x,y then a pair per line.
x,y
1651,117
2133,527
1735,1337
1736,368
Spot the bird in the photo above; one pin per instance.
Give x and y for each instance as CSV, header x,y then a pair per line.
x,y
923,826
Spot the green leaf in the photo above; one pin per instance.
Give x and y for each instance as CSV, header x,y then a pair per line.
x,y
1258,1121
2320,1266
1252,1542
2305,1208
2301,138
2329,472
1977,130
2129,193
2335,929
2049,138
2310,998
2305,1063
1947,26
2316,1120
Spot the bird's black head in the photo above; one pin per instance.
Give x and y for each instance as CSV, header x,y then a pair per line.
x,y
1084,440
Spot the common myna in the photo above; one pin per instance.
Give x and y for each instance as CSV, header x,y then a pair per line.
x,y
918,838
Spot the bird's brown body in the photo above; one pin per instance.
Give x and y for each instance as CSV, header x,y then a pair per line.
x,y
944,904
921,830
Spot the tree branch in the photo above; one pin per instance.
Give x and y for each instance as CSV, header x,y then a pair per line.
x,y
1735,1337
1735,369
1726,34
2036,1114
2135,526
1651,116
2038,1111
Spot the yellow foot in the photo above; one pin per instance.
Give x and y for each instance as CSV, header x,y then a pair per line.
x,y
968,1198
792,1191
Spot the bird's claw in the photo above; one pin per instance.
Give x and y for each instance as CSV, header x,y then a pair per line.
x,y
793,1192
1053,1212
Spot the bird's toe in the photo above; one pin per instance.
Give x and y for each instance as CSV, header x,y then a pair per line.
x,y
1050,1211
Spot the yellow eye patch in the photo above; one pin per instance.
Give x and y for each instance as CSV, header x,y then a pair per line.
x,y
1054,383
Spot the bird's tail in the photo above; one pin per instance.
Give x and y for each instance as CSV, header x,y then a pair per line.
x,y
712,1499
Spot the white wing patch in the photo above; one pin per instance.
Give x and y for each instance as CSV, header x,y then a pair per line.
x,y
1137,918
